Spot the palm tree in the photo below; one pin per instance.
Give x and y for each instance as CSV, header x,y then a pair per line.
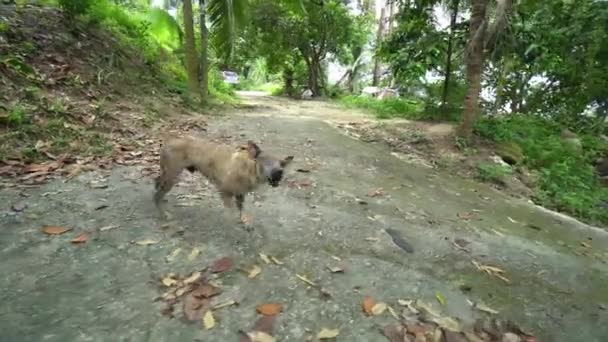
x,y
191,60
480,34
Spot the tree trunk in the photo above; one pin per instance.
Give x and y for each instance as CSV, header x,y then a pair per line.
x,y
448,61
474,61
288,81
191,59
203,63
376,76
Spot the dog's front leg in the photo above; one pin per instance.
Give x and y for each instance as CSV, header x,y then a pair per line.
x,y
245,219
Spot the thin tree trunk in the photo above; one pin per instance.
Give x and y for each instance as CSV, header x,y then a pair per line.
x,y
191,60
203,63
475,59
448,61
288,80
376,76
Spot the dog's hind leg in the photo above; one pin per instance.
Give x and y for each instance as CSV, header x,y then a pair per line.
x,y
245,219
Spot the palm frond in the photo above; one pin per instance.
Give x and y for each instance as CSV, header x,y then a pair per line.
x,y
225,17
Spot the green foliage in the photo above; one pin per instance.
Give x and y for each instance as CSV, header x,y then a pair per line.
x,y
567,178
492,172
386,108
17,116
165,29
74,8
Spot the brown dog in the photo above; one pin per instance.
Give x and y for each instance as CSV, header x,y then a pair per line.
x,y
234,172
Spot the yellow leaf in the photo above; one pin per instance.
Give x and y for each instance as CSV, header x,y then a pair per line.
x,y
378,308
328,333
392,312
208,320
265,258
169,281
173,255
260,336
192,278
254,272
276,261
195,252
306,280
146,242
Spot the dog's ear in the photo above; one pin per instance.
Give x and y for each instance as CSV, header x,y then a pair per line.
x,y
286,161
253,149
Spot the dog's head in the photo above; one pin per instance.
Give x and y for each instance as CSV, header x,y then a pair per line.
x,y
270,168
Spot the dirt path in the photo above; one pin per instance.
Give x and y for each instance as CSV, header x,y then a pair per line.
x,y
103,290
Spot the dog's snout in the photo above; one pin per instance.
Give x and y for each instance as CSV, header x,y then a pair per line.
x,y
276,175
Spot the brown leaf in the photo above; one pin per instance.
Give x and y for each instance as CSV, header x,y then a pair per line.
x,y
269,309
451,336
206,291
394,332
367,305
194,307
265,324
82,238
55,230
465,215
376,193
222,265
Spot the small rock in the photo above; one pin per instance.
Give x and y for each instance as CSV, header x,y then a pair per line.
x,y
511,337
19,206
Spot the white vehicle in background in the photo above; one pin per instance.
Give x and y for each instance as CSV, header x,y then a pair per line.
x,y
230,77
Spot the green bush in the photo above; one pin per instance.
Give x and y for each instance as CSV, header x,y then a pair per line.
x,y
567,179
74,8
492,172
386,108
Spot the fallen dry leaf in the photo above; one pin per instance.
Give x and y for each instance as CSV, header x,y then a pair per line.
x,y
222,265
269,309
491,270
194,307
55,230
227,303
376,193
82,238
372,239
106,228
169,280
585,244
395,332
326,333
265,324
335,269
465,215
195,252
393,312
367,305
254,272
146,242
173,255
378,308
206,291
306,280
260,336
265,258
276,261
208,320
485,308
195,276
